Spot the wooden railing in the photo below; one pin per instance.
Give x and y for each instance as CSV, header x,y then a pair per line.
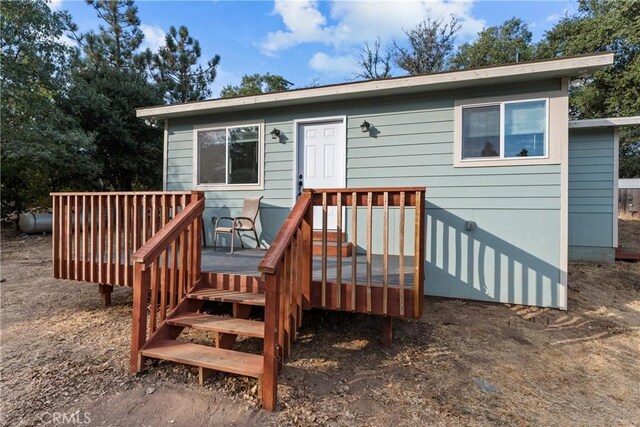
x,y
345,291
287,269
166,267
95,234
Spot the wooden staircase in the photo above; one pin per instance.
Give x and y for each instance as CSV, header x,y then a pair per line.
x,y
170,289
346,248
165,343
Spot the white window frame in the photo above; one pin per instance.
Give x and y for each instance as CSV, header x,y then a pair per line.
x,y
228,187
556,131
502,105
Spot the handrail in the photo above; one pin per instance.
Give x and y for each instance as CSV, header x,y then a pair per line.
x,y
163,238
287,271
166,268
365,189
276,250
120,193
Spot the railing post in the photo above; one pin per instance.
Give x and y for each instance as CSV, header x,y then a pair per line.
x,y
270,354
54,236
418,287
199,231
306,261
139,323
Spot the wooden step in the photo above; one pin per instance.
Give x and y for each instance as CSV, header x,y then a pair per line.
x,y
332,235
227,325
218,359
221,295
332,248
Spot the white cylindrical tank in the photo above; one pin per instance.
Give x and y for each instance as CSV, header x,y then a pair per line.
x,y
32,223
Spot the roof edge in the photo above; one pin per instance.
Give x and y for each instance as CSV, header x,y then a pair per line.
x,y
605,122
569,65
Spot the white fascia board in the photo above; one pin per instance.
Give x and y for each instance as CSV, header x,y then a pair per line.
x,y
629,183
519,72
607,122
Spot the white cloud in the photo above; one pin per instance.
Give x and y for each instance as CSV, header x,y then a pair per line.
x,y
333,65
55,5
566,11
553,17
154,37
304,23
359,21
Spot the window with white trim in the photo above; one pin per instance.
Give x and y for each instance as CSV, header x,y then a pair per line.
x,y
229,156
502,130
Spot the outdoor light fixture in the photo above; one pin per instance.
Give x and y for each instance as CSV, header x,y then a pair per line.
x,y
365,126
470,225
275,133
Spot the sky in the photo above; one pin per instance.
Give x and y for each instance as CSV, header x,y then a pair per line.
x,y
311,42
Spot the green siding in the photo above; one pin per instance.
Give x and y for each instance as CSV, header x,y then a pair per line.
x,y
592,254
514,254
591,214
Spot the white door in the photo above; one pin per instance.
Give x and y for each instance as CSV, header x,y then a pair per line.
x,y
321,161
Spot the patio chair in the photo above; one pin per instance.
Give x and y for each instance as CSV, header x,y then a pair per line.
x,y
245,222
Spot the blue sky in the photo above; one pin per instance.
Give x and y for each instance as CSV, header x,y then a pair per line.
x,y
311,41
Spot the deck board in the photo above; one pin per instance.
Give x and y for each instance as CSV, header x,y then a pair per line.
x,y
245,261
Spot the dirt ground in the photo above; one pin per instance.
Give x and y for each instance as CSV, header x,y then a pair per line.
x,y
629,234
463,363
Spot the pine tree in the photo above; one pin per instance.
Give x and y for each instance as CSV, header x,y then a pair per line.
x,y
43,149
175,67
120,36
108,83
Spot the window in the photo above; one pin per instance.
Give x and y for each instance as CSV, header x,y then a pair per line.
x,y
505,130
229,156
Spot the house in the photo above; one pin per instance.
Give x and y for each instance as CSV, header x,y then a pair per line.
x,y
514,190
467,184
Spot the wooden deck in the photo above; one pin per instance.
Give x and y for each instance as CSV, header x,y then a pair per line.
x,y
245,262
153,243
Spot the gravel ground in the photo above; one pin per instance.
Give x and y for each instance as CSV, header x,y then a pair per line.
x,y
462,363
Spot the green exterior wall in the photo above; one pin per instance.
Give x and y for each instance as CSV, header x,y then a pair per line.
x,y
591,195
512,256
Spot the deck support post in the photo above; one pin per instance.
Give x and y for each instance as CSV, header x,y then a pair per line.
x,y
105,294
387,331
203,374
271,356
241,311
225,340
141,285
